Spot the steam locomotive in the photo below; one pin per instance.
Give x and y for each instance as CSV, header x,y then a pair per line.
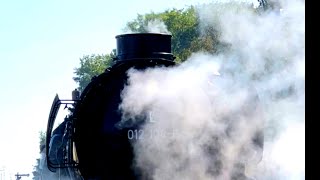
x,y
87,144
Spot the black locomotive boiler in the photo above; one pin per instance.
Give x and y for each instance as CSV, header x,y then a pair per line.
x,y
87,144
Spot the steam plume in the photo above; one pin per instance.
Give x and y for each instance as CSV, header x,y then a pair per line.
x,y
204,115
156,26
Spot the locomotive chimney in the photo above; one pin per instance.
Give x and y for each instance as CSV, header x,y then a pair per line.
x,y
144,46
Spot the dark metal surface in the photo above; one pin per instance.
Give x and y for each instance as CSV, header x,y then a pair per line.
x,y
104,151
143,45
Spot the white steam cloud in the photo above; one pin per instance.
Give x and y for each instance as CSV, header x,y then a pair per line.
x,y
156,26
204,115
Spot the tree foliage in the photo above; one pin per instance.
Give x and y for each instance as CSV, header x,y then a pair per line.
x,y
36,168
90,66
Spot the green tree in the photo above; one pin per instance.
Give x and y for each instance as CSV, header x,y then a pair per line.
x,y
90,66
36,168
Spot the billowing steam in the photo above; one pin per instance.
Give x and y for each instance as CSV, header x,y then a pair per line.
x,y
205,116
156,26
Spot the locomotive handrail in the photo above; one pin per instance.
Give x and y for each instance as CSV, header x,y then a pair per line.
x,y
52,116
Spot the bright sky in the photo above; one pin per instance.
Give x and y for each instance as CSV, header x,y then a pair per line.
x,y
40,45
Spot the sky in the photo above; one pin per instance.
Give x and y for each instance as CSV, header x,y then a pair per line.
x,y
40,45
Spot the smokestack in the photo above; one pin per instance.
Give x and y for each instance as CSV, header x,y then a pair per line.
x,y
144,46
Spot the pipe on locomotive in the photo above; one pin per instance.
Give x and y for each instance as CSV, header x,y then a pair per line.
x,y
144,46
